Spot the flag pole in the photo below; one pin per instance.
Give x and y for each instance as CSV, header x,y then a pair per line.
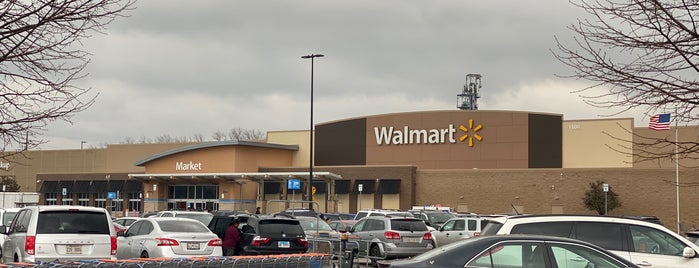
x,y
677,179
677,172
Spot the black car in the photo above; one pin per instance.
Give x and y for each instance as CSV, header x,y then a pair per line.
x,y
222,219
264,235
516,251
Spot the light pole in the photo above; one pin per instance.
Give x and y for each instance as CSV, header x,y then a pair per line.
x,y
310,133
81,144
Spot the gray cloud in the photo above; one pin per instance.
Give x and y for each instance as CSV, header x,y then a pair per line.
x,y
181,68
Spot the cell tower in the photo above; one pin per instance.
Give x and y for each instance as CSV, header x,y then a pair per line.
x,y
468,99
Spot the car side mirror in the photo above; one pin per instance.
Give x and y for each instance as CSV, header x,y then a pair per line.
x,y
4,229
688,252
121,233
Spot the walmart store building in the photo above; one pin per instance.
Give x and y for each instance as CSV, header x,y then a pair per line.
x,y
476,161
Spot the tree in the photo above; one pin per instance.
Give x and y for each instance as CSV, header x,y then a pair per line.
x,y
644,54
594,198
40,59
10,184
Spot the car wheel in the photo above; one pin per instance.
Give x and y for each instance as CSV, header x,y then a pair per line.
x,y
144,254
374,254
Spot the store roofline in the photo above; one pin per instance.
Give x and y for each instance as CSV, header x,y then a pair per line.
x,y
216,144
239,177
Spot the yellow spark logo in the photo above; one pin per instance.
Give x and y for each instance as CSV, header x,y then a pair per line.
x,y
472,136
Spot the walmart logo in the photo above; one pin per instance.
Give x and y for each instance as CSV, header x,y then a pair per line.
x,y
407,136
472,136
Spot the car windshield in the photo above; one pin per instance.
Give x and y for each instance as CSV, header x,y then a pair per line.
x,y
410,224
278,226
182,227
204,218
440,217
72,222
314,224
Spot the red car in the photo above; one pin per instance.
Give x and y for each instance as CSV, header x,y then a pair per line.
x,y
119,227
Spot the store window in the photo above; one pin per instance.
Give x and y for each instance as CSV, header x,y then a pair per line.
x,y
51,198
100,200
83,199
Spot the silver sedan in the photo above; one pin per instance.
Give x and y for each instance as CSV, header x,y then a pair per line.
x,y
167,237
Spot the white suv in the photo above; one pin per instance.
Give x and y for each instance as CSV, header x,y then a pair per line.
x,y
49,233
381,212
643,243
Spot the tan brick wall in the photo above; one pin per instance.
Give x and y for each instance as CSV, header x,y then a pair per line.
x,y
541,191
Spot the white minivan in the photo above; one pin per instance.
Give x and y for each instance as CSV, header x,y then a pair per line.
x,y
644,243
49,233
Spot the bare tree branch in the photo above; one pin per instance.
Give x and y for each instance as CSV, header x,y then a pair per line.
x,y
644,53
40,58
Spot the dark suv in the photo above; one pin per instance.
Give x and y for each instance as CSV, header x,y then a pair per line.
x,y
268,235
222,219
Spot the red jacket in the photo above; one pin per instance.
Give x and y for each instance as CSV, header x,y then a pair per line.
x,y
231,238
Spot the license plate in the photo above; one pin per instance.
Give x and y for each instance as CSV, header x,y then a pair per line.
x,y
283,244
74,249
411,239
193,246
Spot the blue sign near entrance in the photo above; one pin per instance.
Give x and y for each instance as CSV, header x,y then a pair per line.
x,y
294,184
111,195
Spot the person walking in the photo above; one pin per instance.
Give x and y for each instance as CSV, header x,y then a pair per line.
x,y
231,238
257,210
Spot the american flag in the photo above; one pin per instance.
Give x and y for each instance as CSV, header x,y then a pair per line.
x,y
660,122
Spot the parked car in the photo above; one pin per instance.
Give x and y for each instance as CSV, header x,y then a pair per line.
x,y
434,218
270,235
126,221
342,225
168,237
338,216
221,220
293,212
456,229
8,214
517,251
202,216
49,233
149,214
641,242
386,237
693,237
381,212
118,227
315,227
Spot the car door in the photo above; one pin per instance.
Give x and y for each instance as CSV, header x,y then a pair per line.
x,y
656,248
443,236
125,246
14,242
354,239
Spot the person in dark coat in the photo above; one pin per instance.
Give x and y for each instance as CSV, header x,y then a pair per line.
x,y
231,238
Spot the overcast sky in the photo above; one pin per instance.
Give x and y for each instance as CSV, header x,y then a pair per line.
x,y
183,67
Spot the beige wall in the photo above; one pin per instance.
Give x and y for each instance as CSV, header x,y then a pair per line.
x,y
222,159
646,135
586,143
390,201
112,159
300,138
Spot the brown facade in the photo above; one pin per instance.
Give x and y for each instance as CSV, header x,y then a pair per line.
x,y
477,161
544,191
444,140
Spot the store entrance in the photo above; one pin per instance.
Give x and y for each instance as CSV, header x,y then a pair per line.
x,y
199,205
192,197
